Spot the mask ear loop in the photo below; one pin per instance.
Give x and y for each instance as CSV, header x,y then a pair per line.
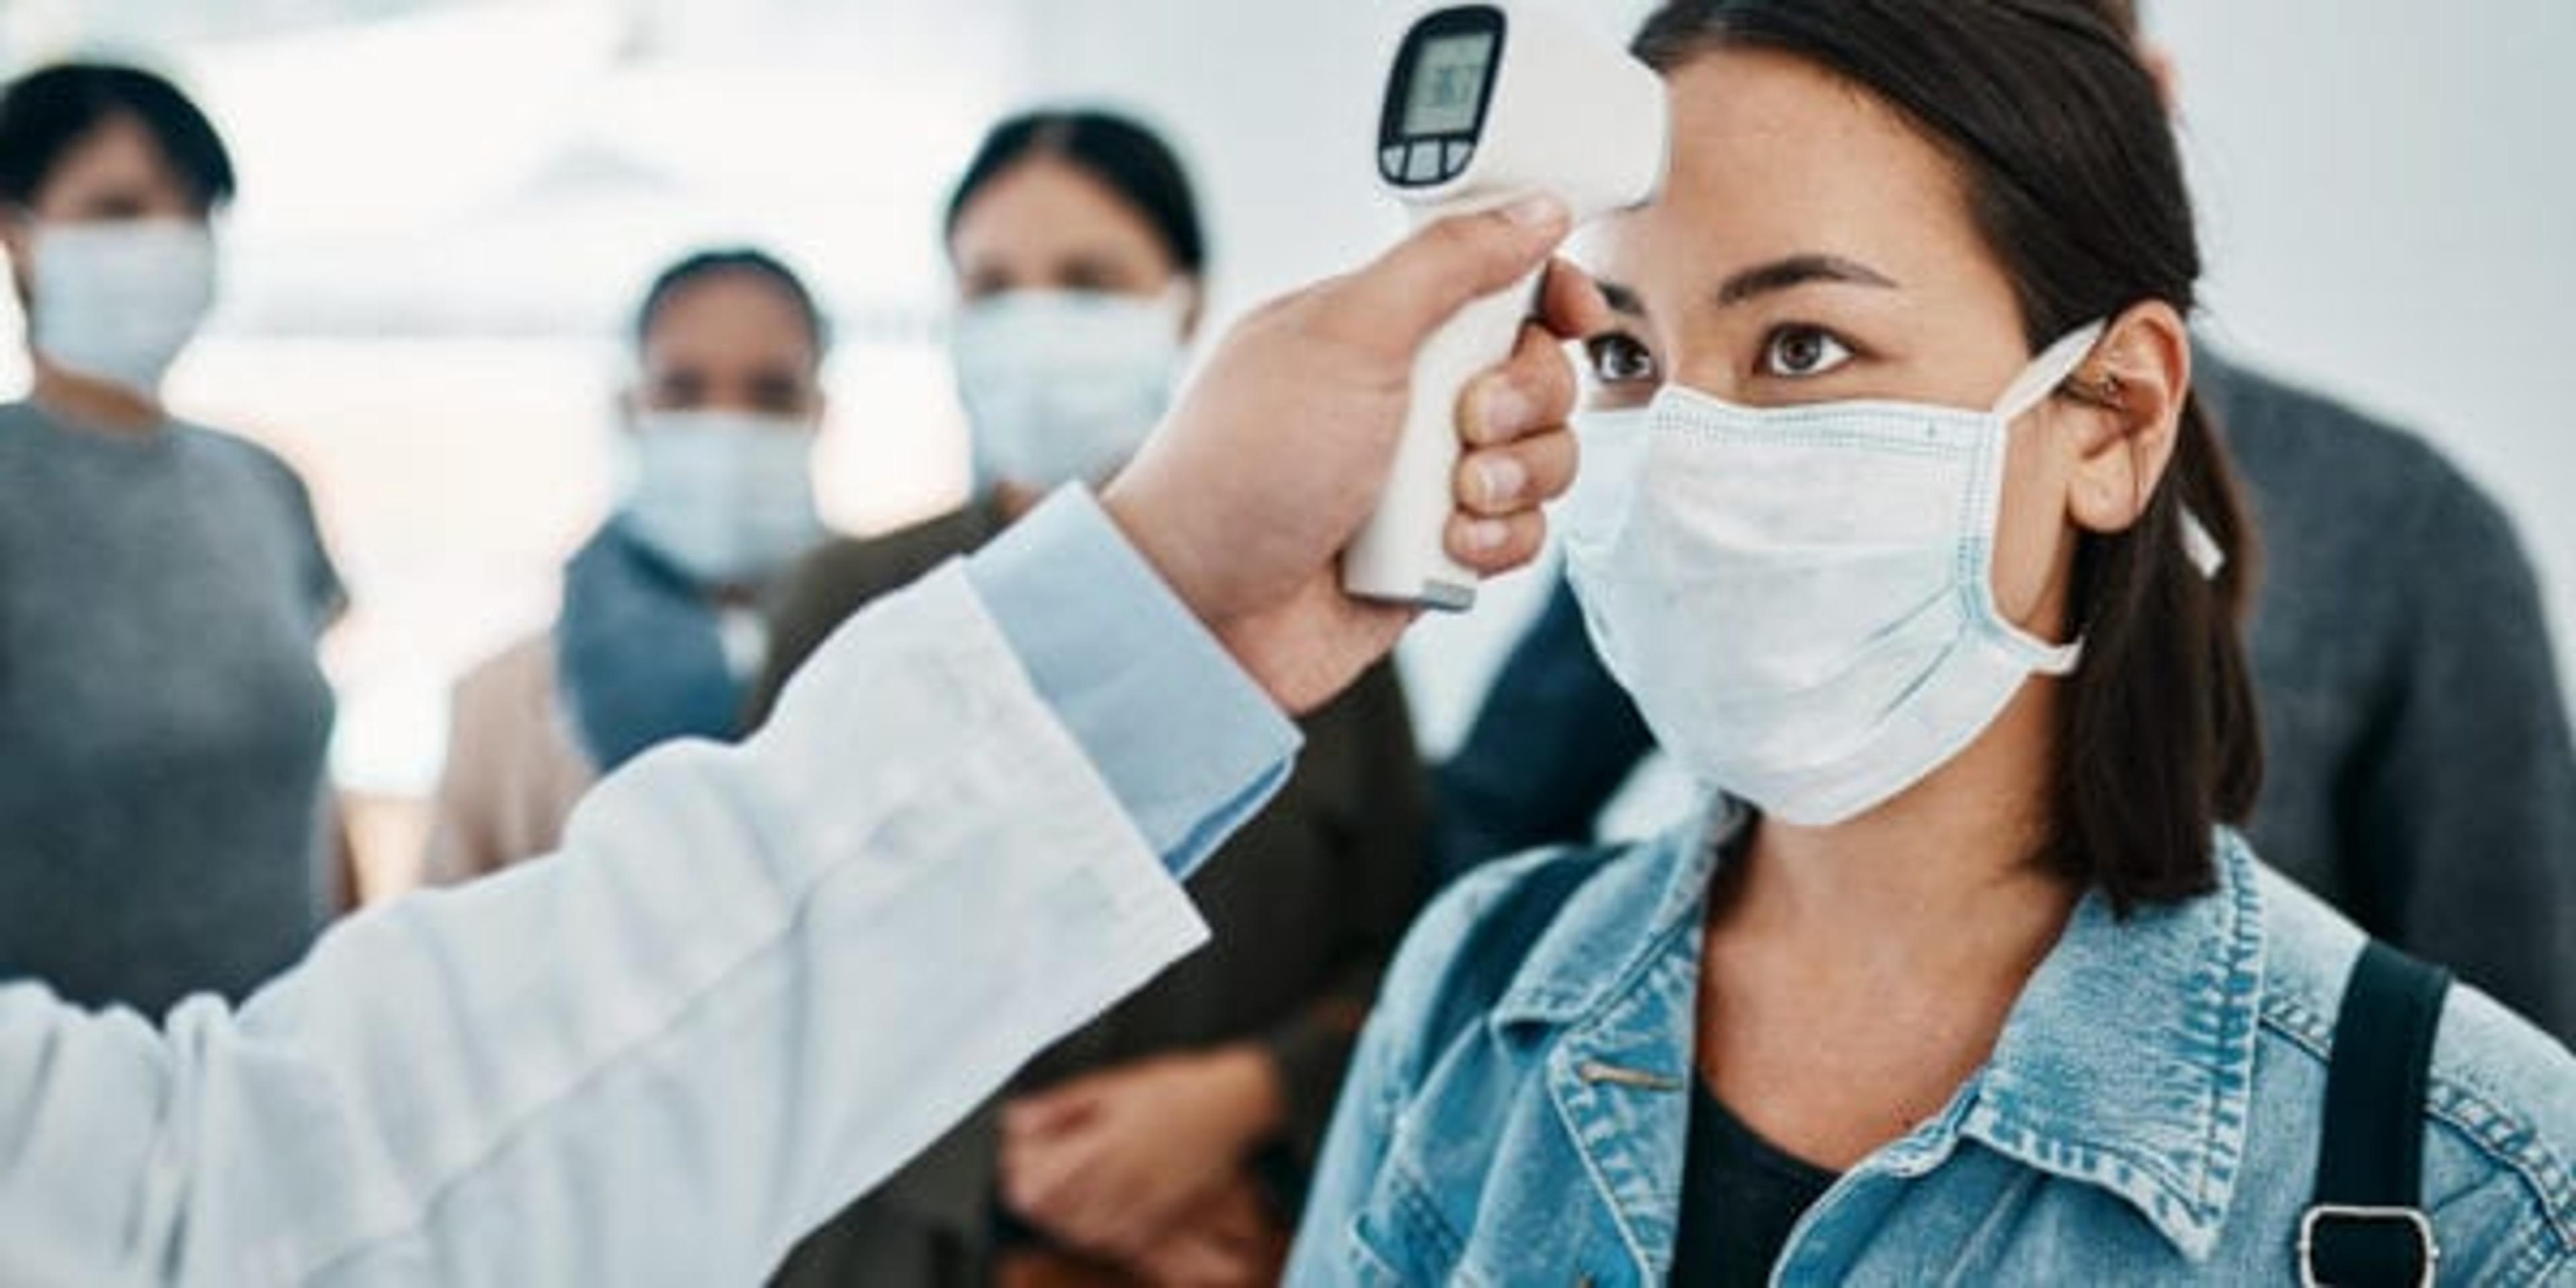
x,y
2201,548
2047,371
2051,369
2034,385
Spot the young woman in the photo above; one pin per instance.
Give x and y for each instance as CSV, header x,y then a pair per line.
x,y
1902,526
662,631
163,718
1169,1140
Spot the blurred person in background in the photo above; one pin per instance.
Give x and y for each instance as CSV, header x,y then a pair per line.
x,y
662,628
163,717
2420,771
1169,1140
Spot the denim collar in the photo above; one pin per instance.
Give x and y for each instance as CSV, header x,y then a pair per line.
x,y
2127,1064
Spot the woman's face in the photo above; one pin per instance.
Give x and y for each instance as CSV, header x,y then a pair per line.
x,y
115,173
732,342
1810,246
1044,225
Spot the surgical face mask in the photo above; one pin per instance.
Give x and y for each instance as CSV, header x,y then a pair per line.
x,y
116,301
1064,386
1801,599
728,497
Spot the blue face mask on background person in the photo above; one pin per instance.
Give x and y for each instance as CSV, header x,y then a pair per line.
x,y
1801,599
116,301
726,496
1064,386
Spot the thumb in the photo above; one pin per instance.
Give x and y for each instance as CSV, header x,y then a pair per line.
x,y
1400,299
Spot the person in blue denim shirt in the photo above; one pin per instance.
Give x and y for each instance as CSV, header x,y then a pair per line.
x,y
2421,780
1968,979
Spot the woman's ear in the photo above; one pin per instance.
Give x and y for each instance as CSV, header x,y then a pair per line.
x,y
2134,387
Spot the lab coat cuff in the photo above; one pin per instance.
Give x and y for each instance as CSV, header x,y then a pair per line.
x,y
1188,743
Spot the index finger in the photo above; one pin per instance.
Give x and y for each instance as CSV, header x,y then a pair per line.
x,y
1571,305
1428,277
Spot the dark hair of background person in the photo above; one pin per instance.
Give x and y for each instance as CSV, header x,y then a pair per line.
x,y
2073,177
47,113
1129,159
741,261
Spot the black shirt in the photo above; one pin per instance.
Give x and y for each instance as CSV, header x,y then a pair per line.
x,y
1741,1195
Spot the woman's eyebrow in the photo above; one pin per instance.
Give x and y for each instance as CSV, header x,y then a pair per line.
x,y
1621,299
1798,270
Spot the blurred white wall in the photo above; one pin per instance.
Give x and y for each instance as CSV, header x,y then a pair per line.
x,y
2388,204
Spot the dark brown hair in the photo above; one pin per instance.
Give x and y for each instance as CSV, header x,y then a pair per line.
x,y
734,261
1131,160
2075,182
47,113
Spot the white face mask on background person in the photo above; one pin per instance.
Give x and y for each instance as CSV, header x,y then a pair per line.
x,y
726,496
116,301
1801,599
1064,386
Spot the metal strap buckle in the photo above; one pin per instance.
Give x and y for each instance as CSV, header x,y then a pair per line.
x,y
2413,1218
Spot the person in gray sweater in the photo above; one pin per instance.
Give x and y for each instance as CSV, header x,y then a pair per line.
x,y
164,719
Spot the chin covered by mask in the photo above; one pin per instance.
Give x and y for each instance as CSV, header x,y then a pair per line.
x,y
116,301
1801,599
727,497
1064,386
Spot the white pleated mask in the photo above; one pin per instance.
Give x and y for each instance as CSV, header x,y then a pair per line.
x,y
1801,599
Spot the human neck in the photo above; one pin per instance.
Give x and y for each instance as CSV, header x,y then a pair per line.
x,y
1856,975
95,404
1940,886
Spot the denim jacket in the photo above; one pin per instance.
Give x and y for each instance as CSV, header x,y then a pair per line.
x,y
2150,1113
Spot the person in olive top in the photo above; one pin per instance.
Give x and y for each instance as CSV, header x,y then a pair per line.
x,y
1170,1139
163,716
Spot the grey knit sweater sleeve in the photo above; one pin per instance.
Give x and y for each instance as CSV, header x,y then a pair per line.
x,y
2422,773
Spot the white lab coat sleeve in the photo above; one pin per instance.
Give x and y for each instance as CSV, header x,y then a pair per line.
x,y
752,984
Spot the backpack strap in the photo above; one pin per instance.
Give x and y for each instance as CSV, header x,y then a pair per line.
x,y
2366,1227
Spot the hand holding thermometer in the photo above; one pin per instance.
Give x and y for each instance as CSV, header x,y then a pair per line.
x,y
1487,104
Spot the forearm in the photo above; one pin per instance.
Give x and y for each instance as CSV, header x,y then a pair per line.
x,y
753,983
750,986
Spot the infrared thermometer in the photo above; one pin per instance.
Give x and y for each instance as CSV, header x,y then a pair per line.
x,y
1488,104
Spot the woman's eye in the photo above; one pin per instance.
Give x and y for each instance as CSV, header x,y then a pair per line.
x,y
1801,351
1620,360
